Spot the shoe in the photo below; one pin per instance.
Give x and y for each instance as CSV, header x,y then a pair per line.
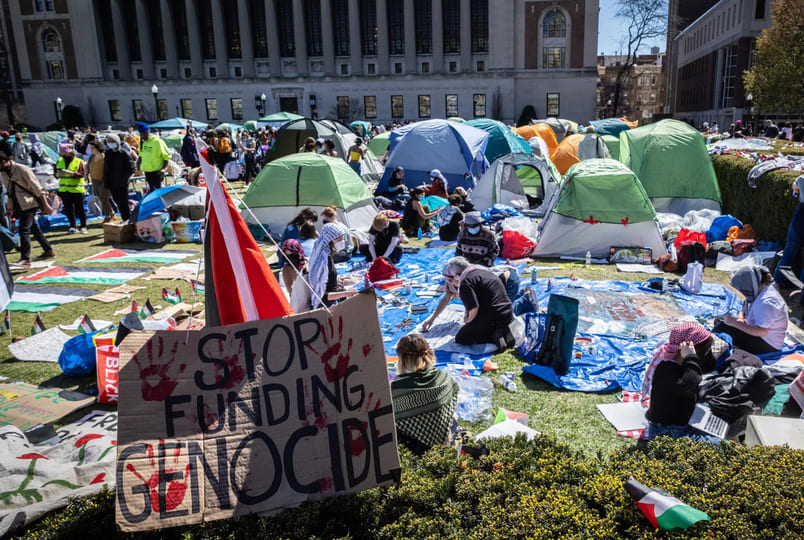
x,y
84,230
72,230
45,256
22,263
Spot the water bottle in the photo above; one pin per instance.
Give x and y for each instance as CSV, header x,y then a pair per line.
x,y
549,284
588,260
419,233
533,277
716,307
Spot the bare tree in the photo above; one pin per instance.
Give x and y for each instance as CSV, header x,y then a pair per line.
x,y
647,20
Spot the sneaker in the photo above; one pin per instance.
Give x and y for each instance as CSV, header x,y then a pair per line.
x,y
22,263
84,230
45,256
72,230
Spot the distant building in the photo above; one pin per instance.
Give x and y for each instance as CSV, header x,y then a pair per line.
x,y
12,108
382,60
709,57
643,93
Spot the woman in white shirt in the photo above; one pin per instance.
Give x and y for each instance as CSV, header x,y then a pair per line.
x,y
765,324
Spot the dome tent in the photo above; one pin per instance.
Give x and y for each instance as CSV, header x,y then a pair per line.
x,y
287,185
379,143
671,161
502,140
290,137
513,178
542,131
451,147
601,204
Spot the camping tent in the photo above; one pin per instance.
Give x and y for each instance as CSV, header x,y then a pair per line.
x,y
558,126
671,161
361,126
543,131
451,147
456,119
601,204
286,185
291,136
566,155
174,123
174,140
613,144
502,141
231,127
379,143
610,126
517,180
280,117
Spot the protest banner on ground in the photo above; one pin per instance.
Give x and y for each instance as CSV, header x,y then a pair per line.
x,y
25,405
253,417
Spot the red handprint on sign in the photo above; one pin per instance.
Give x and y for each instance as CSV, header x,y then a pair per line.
x,y
333,348
176,489
158,371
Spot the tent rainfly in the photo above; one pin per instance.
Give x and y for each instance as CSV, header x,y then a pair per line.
x,y
523,181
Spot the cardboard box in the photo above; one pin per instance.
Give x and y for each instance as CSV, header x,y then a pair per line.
x,y
775,431
192,212
118,233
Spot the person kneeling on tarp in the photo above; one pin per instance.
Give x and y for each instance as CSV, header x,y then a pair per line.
x,y
489,312
424,397
672,381
765,324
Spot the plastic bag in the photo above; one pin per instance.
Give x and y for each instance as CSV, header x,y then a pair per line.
x,y
78,355
108,363
521,225
516,245
474,397
691,282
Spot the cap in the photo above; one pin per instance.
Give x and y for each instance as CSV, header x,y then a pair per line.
x,y
142,127
112,138
320,141
473,218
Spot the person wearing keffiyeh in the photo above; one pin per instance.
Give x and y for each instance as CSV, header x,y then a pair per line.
x,y
322,275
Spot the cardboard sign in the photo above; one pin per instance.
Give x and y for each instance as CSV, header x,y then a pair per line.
x,y
25,405
252,417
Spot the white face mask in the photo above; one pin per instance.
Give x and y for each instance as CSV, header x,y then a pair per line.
x,y
340,245
112,145
473,230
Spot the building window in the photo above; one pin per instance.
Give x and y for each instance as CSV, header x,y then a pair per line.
x,y
231,24
163,73
207,31
44,5
188,73
451,13
51,42
451,105
284,22
140,74
312,27
54,62
343,107
479,16
759,13
109,44
212,108
114,110
396,26
344,69
237,108
729,76
479,101
554,57
370,106
553,104
554,25
453,67
423,23
259,29
424,106
238,71
481,65
368,28
397,107
340,27
116,74
162,109
186,108
397,67
157,34
180,29
425,67
213,72
371,69
139,110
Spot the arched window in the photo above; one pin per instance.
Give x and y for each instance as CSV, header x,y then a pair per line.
x,y
555,25
51,42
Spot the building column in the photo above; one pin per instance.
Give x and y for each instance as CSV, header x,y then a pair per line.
x,y
193,33
438,38
123,60
300,38
383,67
221,47
146,46
327,38
246,40
466,36
168,35
410,38
354,38
272,27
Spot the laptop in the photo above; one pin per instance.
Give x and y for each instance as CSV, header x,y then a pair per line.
x,y
704,420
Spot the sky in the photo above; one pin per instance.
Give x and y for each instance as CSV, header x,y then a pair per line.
x,y
611,29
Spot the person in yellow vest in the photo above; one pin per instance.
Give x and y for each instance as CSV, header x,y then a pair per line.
x,y
154,157
70,172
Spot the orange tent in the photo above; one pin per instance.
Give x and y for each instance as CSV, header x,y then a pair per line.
x,y
631,123
539,130
566,155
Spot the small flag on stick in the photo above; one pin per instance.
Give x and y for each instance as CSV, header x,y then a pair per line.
x,y
134,307
7,322
198,286
147,310
86,326
664,511
38,325
172,298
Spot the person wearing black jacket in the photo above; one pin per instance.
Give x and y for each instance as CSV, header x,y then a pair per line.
x,y
117,171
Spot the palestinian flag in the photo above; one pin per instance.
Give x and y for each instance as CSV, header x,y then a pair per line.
x,y
117,256
84,274
7,322
86,326
664,511
41,298
172,298
147,310
38,325
198,286
134,307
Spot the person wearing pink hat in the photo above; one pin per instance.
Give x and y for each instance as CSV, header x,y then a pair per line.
x,y
70,170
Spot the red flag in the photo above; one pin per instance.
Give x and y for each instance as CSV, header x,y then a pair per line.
x,y
244,286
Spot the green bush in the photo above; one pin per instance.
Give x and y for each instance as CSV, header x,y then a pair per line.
x,y
768,207
538,489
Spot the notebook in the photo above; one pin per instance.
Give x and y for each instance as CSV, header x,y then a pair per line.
x,y
703,420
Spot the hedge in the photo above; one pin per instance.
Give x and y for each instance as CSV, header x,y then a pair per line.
x,y
537,489
768,207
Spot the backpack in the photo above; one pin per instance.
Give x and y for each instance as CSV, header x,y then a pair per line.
x,y
559,337
381,269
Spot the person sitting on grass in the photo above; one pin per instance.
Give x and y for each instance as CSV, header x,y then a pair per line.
x,y
450,218
423,396
476,242
416,216
384,239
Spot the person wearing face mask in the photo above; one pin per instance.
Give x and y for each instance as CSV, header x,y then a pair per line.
x,y
476,242
117,171
765,324
25,197
330,215
384,239
70,172
322,275
416,216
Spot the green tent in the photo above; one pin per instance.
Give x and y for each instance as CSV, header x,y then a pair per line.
x,y
280,117
231,127
502,141
671,161
51,139
613,144
251,125
287,185
174,140
379,143
456,119
601,204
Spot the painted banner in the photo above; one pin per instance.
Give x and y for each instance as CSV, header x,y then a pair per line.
x,y
25,405
253,417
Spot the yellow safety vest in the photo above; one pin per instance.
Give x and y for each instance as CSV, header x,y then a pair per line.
x,y
71,184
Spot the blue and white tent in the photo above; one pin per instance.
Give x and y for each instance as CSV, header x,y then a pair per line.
x,y
457,150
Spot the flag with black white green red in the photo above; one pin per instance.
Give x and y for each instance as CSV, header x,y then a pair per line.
x,y
38,325
134,307
664,511
86,326
198,286
84,274
42,298
170,297
147,310
117,256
